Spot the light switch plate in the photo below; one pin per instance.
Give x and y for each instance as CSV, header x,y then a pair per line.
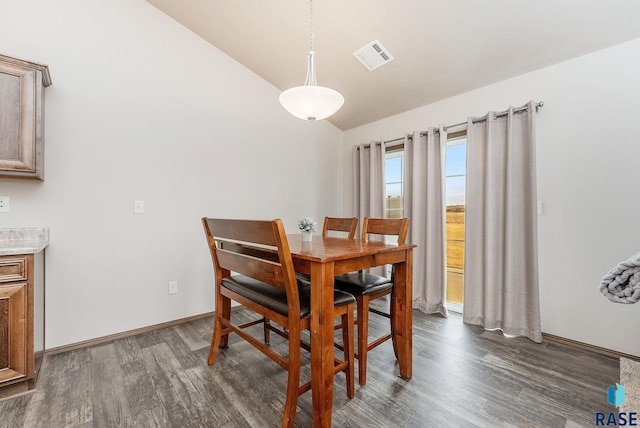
x,y
173,287
4,204
138,207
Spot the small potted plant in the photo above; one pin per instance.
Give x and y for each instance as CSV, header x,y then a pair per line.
x,y
307,226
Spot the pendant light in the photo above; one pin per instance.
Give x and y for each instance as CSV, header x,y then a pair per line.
x,y
310,101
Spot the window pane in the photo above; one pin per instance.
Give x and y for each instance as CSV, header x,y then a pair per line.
x,y
393,169
393,177
393,207
456,160
455,190
394,190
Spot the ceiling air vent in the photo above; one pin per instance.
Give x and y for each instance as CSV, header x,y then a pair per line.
x,y
373,55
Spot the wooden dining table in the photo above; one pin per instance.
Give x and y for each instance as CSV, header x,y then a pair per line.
x,y
322,259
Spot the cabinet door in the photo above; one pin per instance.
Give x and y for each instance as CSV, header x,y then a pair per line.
x,y
13,332
21,117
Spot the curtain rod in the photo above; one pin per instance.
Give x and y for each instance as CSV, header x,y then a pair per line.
x,y
538,105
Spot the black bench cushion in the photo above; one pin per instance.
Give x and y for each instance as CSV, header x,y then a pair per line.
x,y
276,298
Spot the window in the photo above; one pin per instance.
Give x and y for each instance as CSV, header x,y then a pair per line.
x,y
394,184
455,172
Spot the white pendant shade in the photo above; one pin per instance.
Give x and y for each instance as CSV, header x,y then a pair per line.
x,y
311,102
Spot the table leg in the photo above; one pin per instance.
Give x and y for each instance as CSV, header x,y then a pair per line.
x,y
322,357
403,317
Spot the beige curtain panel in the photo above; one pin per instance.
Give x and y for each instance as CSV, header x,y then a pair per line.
x,y
424,204
501,255
368,180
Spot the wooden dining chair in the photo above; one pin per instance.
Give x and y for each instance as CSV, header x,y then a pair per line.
x,y
366,287
338,224
259,252
331,224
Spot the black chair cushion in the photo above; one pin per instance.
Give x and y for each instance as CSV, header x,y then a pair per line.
x,y
303,278
275,298
360,283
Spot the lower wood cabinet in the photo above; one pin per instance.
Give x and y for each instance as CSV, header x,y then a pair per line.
x,y
21,321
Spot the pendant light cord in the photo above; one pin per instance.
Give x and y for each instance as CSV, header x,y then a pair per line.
x,y
310,101
311,57
311,22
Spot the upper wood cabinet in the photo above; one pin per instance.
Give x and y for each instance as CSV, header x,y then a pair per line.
x,y
22,86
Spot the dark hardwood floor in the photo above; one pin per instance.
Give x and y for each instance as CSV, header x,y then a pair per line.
x,y
463,376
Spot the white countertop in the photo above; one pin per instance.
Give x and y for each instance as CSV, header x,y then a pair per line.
x,y
24,240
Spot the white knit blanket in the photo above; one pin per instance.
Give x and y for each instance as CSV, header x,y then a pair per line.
x,y
622,283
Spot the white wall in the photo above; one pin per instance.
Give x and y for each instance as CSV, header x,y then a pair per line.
x,y
588,149
141,108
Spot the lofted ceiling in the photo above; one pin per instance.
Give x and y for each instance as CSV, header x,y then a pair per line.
x,y
441,48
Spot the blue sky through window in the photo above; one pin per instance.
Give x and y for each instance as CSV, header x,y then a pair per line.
x,y
393,174
456,163
456,170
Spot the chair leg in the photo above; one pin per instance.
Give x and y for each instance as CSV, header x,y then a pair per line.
x,y
363,336
215,341
265,325
293,380
223,310
347,343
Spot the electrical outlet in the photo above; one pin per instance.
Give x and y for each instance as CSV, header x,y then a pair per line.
x,y
4,204
173,287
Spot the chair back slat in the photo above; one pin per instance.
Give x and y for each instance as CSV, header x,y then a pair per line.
x,y
386,226
267,253
259,249
337,224
260,269
255,231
